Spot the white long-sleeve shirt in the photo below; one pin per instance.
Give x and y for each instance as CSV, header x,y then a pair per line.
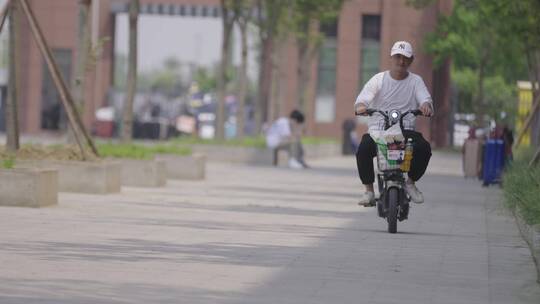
x,y
384,93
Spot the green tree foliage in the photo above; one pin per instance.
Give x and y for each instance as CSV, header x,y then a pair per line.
x,y
166,79
206,80
498,92
271,17
521,19
487,41
307,15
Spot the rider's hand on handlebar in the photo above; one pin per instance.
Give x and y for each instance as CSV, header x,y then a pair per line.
x,y
426,109
360,109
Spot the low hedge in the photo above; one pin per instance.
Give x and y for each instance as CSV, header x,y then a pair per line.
x,y
521,187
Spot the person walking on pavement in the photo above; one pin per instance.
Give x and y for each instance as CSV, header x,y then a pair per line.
x,y
285,133
508,139
395,89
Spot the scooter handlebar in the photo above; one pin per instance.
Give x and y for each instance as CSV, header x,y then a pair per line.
x,y
369,112
416,112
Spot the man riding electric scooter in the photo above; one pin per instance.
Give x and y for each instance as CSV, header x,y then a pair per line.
x,y
395,89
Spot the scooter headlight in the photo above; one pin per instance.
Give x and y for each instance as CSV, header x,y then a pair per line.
x,y
394,116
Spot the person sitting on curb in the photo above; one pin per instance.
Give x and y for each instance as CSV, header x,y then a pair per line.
x,y
285,134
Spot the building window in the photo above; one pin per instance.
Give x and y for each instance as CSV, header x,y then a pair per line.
x,y
370,47
325,100
53,116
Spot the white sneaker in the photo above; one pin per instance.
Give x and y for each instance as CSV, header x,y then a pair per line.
x,y
414,193
368,200
295,164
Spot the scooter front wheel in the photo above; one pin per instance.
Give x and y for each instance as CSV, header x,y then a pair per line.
x,y
392,214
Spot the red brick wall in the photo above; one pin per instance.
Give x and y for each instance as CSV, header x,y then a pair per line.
x,y
58,27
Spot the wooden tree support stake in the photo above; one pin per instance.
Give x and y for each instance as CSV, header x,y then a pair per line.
x,y
65,95
4,14
535,158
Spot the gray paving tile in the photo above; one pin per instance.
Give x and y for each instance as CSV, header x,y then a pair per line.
x,y
266,235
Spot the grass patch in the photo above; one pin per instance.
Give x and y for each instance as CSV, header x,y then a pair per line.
x,y
318,140
521,187
136,151
8,163
42,152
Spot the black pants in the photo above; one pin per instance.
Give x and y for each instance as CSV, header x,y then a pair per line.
x,y
367,150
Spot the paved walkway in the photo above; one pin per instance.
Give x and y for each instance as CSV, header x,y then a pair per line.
x,y
267,235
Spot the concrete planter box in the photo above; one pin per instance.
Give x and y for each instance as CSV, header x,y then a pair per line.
x,y
99,177
184,167
143,173
322,150
231,154
28,187
531,234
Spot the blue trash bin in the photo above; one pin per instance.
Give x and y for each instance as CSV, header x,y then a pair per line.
x,y
493,161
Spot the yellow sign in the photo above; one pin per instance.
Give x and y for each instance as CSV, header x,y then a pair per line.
x,y
525,98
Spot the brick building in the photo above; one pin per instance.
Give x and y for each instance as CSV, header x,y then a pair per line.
x,y
358,47
355,48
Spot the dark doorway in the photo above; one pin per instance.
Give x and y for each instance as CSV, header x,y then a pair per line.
x,y
53,116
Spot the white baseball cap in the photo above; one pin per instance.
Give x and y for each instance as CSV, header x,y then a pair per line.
x,y
402,47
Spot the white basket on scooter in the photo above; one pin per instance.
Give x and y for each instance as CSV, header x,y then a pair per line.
x,y
389,159
390,154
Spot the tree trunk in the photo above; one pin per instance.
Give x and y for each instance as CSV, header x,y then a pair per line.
x,y
303,76
275,84
222,78
243,82
11,114
480,111
83,51
279,79
306,54
480,106
265,83
131,85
